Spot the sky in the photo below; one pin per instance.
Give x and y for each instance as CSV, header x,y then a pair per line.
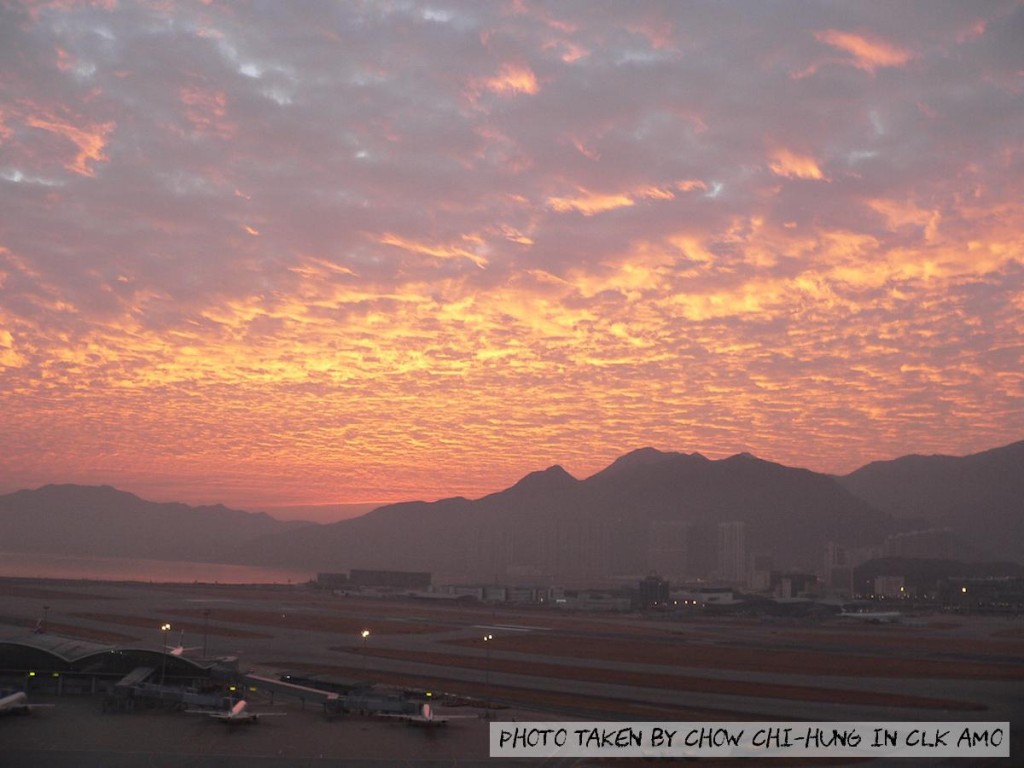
x,y
272,254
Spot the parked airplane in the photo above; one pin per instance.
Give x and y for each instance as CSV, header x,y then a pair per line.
x,y
426,718
17,702
239,713
180,649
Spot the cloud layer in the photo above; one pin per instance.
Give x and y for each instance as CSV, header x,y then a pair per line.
x,y
313,252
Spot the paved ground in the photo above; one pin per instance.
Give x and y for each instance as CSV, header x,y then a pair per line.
x,y
540,665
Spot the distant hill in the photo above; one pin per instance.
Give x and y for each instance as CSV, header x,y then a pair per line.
x,y
980,497
105,522
551,524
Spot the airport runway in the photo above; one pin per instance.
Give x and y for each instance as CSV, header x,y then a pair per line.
x,y
545,664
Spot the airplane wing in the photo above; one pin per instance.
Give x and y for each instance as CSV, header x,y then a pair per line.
x,y
426,717
208,713
237,714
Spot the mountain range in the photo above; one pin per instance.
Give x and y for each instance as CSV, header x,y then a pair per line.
x,y
645,507
105,522
979,497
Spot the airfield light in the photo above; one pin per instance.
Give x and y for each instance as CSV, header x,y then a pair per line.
x,y
963,590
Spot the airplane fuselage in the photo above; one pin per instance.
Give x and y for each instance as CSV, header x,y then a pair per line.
x,y
15,702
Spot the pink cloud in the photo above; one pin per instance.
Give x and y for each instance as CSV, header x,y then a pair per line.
x,y
868,52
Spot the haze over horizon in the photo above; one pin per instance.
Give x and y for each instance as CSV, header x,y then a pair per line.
x,y
290,255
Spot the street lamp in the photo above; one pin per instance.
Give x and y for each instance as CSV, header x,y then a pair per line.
x,y
163,667
487,671
365,634
206,629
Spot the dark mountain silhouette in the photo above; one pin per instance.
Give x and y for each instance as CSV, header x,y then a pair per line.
x,y
103,521
980,497
551,524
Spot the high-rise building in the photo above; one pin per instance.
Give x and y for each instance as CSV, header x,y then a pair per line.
x,y
732,551
838,570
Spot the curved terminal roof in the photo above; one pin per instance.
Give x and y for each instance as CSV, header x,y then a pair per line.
x,y
74,654
67,649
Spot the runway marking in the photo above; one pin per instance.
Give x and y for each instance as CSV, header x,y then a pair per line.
x,y
512,627
209,600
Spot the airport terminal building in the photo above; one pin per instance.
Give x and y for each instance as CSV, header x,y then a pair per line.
x,y
53,664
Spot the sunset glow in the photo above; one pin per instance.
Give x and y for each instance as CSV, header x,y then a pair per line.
x,y
324,253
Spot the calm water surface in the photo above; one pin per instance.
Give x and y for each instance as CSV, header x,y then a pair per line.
x,y
47,566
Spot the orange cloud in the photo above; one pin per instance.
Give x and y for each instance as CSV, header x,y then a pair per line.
x,y
573,52
5,130
428,249
9,355
689,185
655,193
206,110
903,213
794,166
90,140
586,151
514,235
511,79
868,54
590,203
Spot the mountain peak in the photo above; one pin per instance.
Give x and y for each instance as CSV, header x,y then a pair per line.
x,y
745,455
647,457
641,456
553,477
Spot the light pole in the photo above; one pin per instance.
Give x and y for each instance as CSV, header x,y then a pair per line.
x,y
163,667
365,634
487,673
206,629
